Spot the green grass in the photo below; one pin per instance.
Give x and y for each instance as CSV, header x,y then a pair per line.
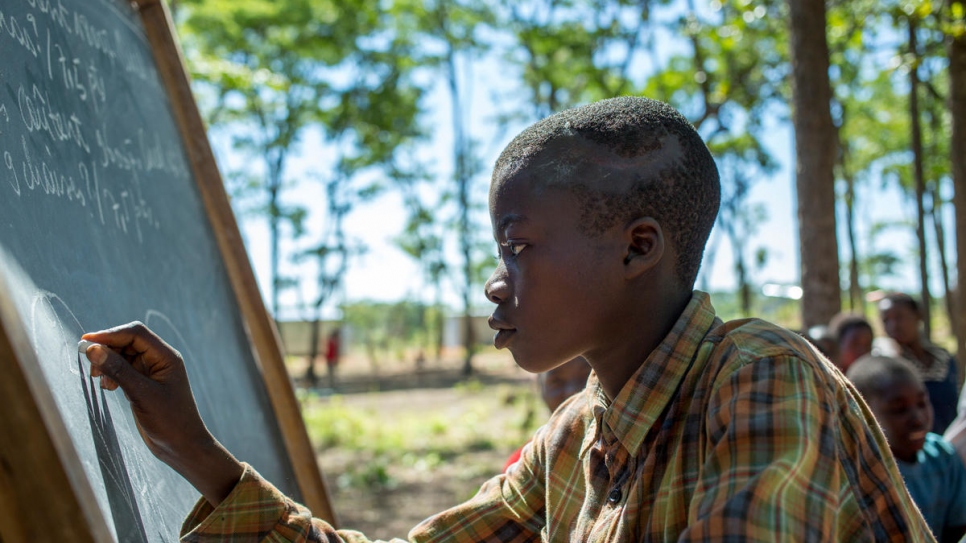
x,y
486,419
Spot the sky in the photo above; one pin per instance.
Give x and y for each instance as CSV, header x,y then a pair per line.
x,y
385,273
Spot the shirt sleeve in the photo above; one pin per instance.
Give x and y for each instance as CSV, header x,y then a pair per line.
x,y
507,509
775,431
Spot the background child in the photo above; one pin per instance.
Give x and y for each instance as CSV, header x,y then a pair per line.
x,y
902,321
933,472
555,387
854,335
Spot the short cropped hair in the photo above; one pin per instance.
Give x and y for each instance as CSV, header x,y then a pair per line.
x,y
899,298
843,323
872,375
682,194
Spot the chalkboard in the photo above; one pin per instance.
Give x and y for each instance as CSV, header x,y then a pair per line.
x,y
112,210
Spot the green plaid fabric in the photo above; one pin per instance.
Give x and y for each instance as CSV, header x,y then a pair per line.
x,y
728,432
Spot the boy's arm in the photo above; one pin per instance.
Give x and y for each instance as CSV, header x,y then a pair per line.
x,y
788,457
238,504
152,375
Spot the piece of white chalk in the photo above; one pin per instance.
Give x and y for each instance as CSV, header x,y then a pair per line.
x,y
83,344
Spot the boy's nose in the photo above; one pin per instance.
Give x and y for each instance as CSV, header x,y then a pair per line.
x,y
497,288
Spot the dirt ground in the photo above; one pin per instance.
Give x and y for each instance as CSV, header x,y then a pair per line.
x,y
385,498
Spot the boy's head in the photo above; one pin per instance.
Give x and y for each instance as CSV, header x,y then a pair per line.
x,y
619,194
562,382
854,335
898,399
900,317
624,158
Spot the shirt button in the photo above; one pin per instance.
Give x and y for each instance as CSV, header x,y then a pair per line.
x,y
614,496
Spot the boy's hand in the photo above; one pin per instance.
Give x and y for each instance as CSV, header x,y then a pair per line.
x,y
152,375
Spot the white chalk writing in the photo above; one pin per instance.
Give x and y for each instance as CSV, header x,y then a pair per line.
x,y
39,116
77,143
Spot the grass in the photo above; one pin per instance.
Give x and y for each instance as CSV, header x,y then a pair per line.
x,y
419,435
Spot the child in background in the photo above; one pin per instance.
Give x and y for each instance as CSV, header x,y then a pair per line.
x,y
901,319
933,472
821,337
695,429
333,345
854,335
556,386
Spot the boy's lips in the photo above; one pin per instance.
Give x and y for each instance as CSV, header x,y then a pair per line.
x,y
503,331
502,338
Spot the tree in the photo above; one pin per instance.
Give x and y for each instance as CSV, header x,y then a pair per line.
x,y
422,239
956,40
374,118
725,83
450,42
572,52
267,64
815,162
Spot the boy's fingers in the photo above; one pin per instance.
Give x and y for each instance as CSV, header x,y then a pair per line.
x,y
116,371
130,337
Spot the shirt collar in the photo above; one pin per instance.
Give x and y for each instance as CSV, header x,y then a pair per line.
x,y
646,394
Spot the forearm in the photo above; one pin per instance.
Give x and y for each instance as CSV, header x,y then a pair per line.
x,y
209,467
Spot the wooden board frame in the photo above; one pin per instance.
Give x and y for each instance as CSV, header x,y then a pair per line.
x,y
44,493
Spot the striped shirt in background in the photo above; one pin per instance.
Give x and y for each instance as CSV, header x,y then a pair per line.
x,y
736,431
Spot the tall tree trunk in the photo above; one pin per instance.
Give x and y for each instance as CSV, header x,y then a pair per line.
x,y
856,299
957,104
462,181
815,158
920,179
314,334
935,213
274,234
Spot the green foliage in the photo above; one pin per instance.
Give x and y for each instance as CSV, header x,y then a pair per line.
x,y
268,72
389,328
412,439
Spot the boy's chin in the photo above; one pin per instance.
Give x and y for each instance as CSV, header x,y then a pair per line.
x,y
535,365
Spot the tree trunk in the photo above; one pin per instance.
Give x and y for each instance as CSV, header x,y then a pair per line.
x,y
462,181
316,332
274,234
815,157
957,101
920,179
935,213
856,299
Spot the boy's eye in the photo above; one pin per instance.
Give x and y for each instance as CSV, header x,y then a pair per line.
x,y
513,247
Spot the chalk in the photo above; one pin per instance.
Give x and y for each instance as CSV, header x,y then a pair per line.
x,y
83,344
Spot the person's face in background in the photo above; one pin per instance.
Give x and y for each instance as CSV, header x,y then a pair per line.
x,y
855,343
901,322
563,382
905,415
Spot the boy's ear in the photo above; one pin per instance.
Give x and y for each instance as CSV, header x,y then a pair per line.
x,y
645,246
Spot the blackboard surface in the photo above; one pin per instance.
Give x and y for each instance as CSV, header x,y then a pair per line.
x,y
101,223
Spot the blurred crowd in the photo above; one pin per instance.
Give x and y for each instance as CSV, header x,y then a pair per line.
x,y
911,385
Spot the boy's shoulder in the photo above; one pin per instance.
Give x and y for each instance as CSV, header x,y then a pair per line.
x,y
747,340
755,347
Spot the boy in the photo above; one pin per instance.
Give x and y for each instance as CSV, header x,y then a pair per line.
x,y
901,319
854,336
934,474
689,429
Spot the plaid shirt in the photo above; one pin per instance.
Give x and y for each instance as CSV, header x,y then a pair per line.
x,y
728,432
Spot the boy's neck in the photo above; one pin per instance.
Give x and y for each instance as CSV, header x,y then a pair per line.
x,y
645,330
